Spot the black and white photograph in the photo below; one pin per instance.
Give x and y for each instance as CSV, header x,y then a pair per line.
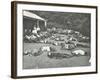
x,y
53,39
56,39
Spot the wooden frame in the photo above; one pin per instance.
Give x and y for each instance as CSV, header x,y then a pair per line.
x,y
14,38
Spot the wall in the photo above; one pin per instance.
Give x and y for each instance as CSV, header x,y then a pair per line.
x,y
5,41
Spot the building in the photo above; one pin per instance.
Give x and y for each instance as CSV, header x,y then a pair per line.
x,y
33,22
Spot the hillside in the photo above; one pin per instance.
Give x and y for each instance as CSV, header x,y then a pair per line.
x,y
75,21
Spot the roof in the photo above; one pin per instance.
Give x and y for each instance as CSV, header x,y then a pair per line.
x,y
32,15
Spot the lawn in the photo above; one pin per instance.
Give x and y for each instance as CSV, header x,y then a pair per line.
x,y
43,61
